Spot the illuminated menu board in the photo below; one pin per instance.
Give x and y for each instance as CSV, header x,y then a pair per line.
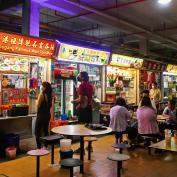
x,y
171,68
10,63
83,55
126,61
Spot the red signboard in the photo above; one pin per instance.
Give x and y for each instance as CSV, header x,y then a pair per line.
x,y
14,96
152,65
13,43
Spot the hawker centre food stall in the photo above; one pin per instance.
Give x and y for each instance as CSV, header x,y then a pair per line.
x,y
122,80
170,82
71,60
24,63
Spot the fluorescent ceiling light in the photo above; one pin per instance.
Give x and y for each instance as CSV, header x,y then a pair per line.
x,y
164,2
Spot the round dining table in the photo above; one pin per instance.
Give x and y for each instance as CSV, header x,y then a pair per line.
x,y
80,130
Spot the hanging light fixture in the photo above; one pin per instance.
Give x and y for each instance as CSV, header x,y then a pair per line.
x,y
164,2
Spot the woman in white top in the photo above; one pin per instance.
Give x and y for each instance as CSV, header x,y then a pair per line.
x,y
119,115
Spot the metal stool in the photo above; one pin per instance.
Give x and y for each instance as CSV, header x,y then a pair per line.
x,y
51,140
71,163
119,158
38,153
90,139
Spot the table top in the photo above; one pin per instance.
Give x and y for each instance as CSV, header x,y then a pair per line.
x,y
38,152
166,146
79,130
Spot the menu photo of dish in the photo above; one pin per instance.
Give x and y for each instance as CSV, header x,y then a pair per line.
x,y
14,64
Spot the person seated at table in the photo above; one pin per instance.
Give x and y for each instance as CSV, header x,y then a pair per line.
x,y
170,113
118,118
146,116
146,93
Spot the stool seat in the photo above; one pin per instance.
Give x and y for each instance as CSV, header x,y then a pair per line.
x,y
38,152
71,163
51,139
118,157
121,145
90,138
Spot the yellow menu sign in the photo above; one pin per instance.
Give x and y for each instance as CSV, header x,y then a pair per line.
x,y
83,55
126,61
171,68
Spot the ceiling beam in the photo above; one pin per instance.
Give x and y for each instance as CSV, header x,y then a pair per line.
x,y
116,20
54,32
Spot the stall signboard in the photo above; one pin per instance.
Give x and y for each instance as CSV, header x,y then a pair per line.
x,y
83,55
126,61
13,43
11,63
14,96
172,68
152,65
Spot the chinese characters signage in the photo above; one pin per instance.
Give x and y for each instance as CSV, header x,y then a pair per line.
x,y
14,96
13,43
83,55
126,61
152,65
14,64
172,68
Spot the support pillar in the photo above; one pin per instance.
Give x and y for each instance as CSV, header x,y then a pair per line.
x,y
31,18
144,47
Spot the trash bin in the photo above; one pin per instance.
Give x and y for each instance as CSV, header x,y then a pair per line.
x,y
11,152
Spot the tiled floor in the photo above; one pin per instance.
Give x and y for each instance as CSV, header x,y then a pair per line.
x,y
140,164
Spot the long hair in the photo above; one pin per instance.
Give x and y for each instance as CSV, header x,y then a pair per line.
x,y
146,101
48,92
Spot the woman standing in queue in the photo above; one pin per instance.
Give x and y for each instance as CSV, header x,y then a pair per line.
x,y
44,103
